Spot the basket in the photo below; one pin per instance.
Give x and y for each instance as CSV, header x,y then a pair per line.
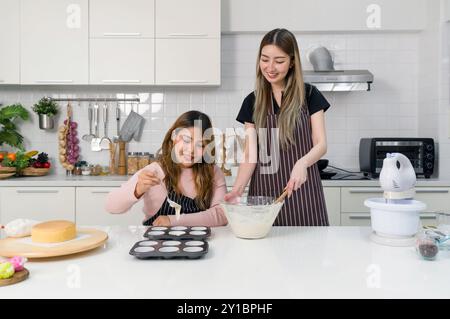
x,y
32,171
6,175
4,170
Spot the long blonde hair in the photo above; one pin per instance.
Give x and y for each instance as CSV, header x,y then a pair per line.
x,y
294,92
203,171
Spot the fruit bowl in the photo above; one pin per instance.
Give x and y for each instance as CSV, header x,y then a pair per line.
x,y
251,217
33,171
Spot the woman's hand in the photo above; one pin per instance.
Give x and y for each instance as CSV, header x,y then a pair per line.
x,y
298,176
232,196
146,179
162,221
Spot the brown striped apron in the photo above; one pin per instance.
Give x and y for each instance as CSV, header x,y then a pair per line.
x,y
306,206
188,206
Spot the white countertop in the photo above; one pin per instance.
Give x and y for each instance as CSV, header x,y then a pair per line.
x,y
117,180
292,262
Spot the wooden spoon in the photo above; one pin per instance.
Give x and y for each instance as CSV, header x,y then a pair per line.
x,y
281,197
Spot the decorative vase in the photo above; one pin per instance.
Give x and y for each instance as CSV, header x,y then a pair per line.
x,y
45,122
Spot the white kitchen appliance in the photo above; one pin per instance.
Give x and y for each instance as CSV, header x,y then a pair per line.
x,y
395,218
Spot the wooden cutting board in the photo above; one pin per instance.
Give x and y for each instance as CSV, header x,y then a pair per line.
x,y
87,239
18,277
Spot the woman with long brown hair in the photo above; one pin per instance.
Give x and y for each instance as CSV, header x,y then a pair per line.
x,y
285,128
185,172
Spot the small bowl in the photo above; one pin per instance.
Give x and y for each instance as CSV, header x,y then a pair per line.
x,y
251,217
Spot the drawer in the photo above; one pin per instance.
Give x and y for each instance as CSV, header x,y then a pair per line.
x,y
363,219
38,203
90,209
352,198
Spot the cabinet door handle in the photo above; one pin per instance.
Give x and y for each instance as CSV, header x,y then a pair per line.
x,y
121,81
366,191
188,35
1,81
122,34
432,191
37,191
188,81
359,216
100,192
427,217
53,81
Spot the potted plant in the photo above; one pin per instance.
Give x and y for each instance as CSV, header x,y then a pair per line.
x,y
47,109
8,130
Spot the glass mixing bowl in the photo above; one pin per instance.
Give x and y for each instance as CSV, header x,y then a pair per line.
x,y
251,217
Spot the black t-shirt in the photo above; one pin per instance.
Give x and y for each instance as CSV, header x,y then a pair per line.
x,y
314,99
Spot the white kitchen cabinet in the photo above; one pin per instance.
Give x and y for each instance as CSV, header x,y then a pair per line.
x,y
122,61
323,15
9,42
187,18
38,203
119,18
333,202
354,213
54,42
187,61
90,202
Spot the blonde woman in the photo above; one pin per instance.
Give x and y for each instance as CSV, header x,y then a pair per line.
x,y
288,116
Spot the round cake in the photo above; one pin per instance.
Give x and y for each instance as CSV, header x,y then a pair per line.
x,y
53,231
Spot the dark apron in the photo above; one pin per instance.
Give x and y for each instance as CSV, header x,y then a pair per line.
x,y
188,206
306,206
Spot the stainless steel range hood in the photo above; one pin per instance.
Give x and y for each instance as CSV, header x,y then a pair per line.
x,y
326,78
346,80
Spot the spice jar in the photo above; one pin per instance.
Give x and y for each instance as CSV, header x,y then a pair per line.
x,y
426,246
132,162
144,159
77,170
85,170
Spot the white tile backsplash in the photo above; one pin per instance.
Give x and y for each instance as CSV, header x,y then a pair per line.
x,y
390,109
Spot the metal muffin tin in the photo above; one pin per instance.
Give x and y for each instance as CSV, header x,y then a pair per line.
x,y
178,232
169,249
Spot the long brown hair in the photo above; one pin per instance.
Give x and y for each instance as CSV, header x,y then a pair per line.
x,y
294,91
203,171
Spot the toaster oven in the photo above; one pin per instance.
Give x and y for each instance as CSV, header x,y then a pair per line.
x,y
420,151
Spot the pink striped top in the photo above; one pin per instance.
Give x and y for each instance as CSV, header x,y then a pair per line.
x,y
122,199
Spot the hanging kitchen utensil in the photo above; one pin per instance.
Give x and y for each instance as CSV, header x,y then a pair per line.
x,y
133,125
105,141
95,142
90,136
116,137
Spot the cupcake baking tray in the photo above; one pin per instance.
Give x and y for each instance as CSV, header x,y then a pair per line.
x,y
169,249
178,232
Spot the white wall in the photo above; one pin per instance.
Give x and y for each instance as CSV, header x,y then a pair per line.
x,y
390,109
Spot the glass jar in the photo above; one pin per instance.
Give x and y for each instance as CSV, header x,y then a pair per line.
x,y
77,169
144,159
85,170
132,162
105,170
426,246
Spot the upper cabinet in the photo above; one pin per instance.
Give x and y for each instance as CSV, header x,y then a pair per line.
x,y
54,41
110,42
119,18
187,46
323,15
9,42
197,62
122,61
187,18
